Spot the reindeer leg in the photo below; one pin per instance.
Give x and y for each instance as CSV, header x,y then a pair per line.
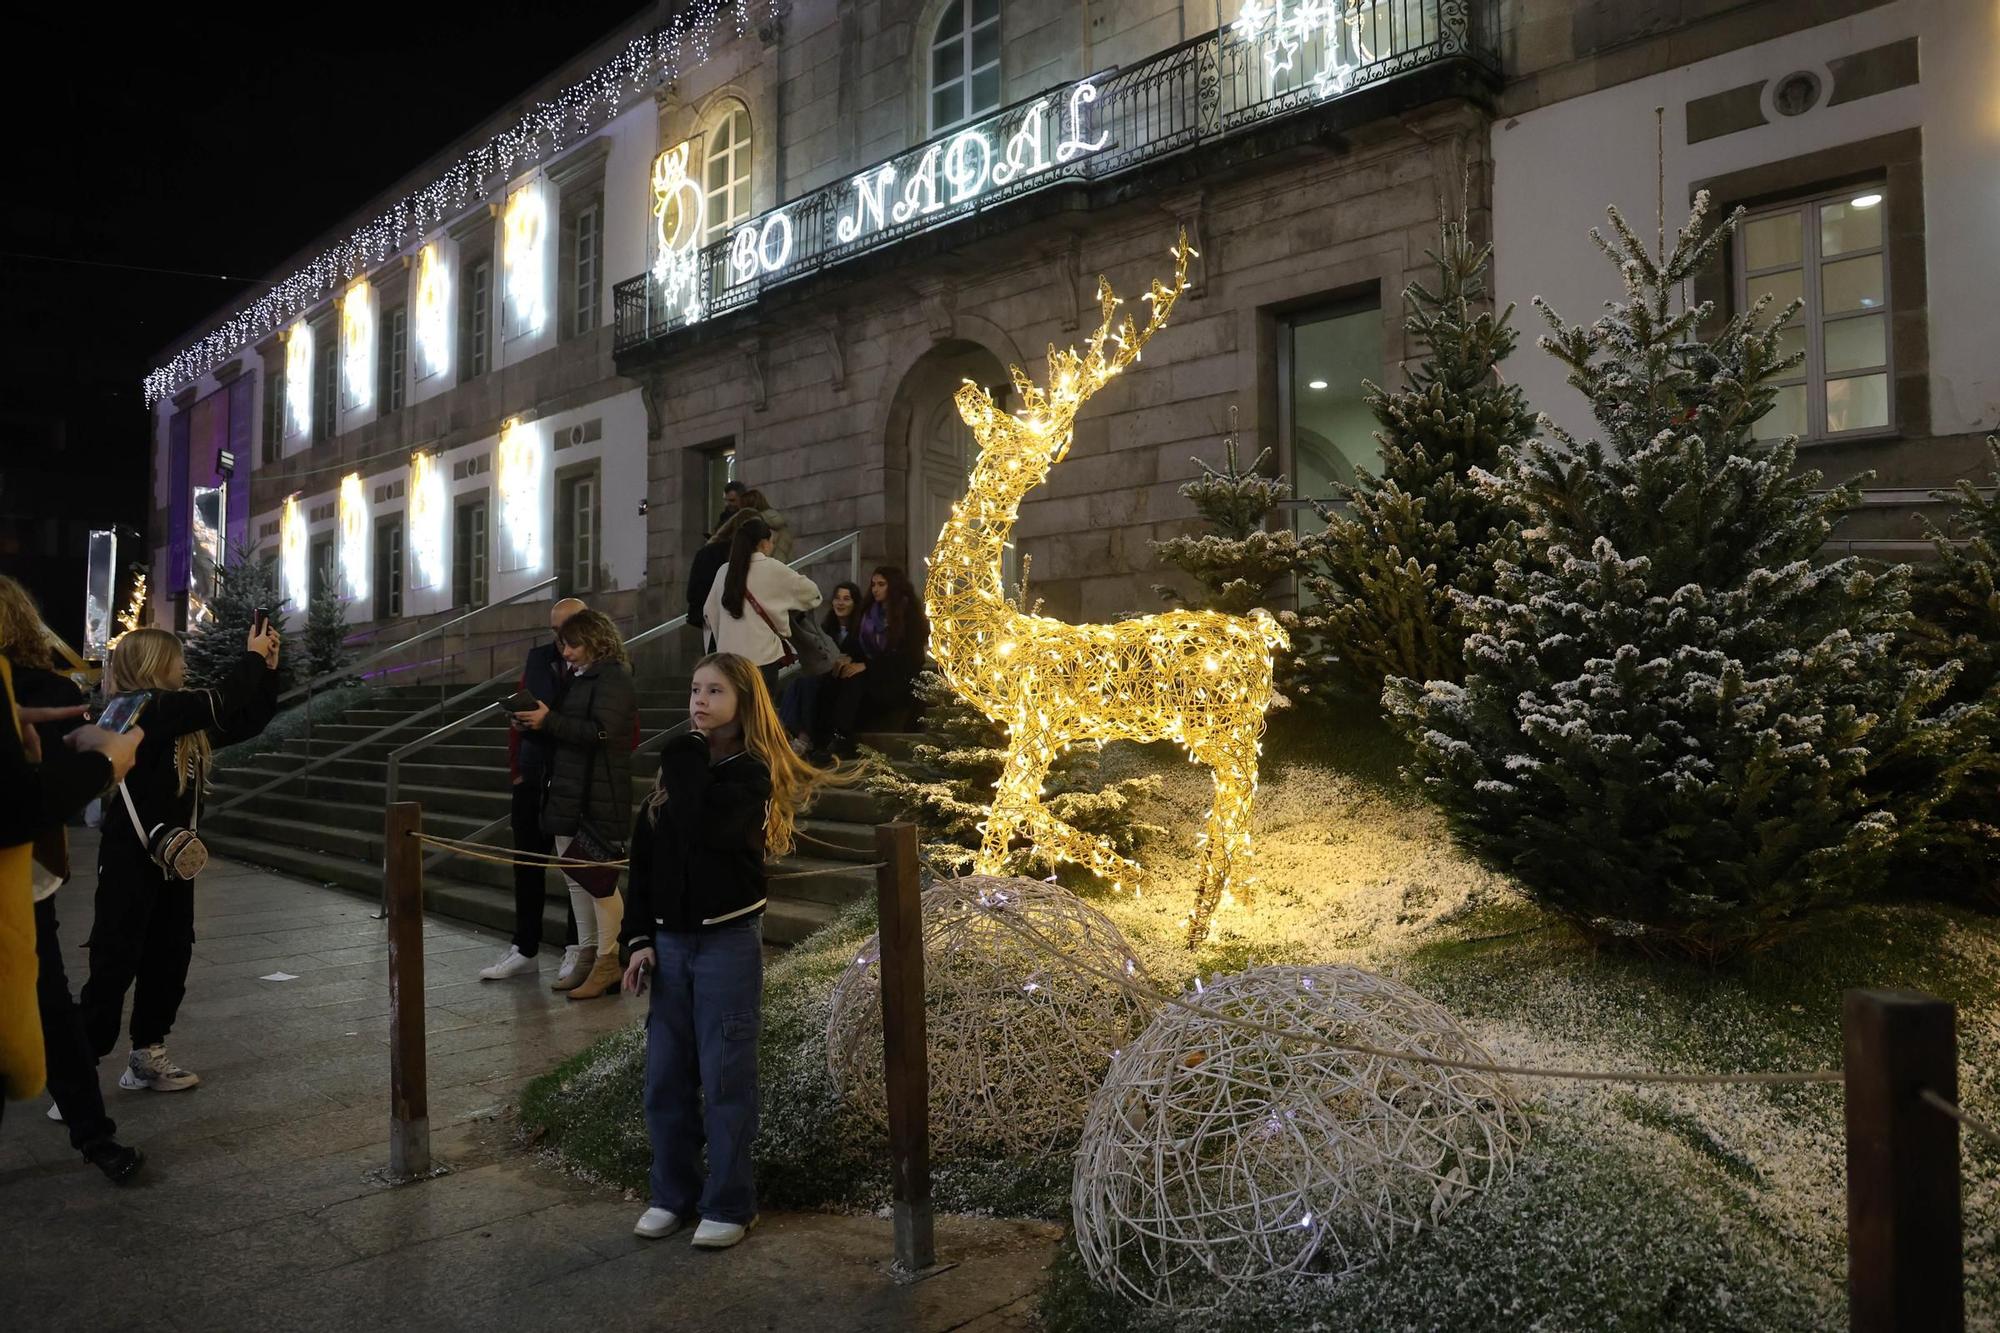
x,y
1018,809
1225,845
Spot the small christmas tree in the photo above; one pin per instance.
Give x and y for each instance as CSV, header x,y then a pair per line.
x,y
1671,701
948,779
326,635
1238,559
1380,579
246,581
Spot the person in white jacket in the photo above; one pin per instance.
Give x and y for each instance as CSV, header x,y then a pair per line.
x,y
750,604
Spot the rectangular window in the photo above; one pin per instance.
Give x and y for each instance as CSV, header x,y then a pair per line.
x,y
576,533
389,568
273,445
1324,424
1827,252
326,397
321,573
468,554
476,328
589,242
718,469
394,360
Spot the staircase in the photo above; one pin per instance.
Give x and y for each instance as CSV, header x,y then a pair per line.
x,y
327,827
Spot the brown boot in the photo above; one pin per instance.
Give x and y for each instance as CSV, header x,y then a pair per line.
x,y
586,958
603,979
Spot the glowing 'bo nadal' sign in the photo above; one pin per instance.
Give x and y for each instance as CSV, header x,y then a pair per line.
x,y
1326,33
680,216
1198,678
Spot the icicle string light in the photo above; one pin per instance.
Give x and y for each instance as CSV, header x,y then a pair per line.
x,y
647,61
1198,678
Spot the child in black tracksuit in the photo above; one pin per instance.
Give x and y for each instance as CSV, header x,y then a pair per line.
x,y
143,936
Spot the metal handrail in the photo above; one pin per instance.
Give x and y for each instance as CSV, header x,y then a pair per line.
x,y
852,541
353,667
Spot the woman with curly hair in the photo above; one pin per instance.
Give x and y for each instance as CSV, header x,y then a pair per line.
x,y
590,785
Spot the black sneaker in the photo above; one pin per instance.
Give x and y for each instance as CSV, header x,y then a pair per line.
x,y
118,1162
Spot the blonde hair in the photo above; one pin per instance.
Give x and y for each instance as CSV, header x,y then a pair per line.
x,y
596,634
151,659
23,641
794,782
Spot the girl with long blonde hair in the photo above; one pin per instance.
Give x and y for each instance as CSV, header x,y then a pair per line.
x,y
143,937
728,799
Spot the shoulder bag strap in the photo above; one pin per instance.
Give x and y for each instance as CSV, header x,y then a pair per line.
x,y
762,614
133,811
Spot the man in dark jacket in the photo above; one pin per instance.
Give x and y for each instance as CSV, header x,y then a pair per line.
x,y
545,676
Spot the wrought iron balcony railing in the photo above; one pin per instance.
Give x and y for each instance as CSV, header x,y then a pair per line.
x,y
1279,58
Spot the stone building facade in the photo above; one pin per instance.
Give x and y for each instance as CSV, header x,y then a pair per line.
x,y
586,341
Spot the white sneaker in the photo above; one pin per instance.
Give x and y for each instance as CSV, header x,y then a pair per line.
x,y
570,952
55,1112
513,965
657,1222
713,1235
150,1068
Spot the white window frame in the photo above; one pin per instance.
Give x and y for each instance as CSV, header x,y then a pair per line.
x,y
729,203
477,555
326,378
589,261
578,494
967,71
396,348
479,328
1812,373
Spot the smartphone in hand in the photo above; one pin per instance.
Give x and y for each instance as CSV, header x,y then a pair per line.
x,y
122,713
260,620
520,701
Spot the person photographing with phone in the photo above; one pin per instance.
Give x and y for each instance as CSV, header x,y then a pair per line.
x,y
143,938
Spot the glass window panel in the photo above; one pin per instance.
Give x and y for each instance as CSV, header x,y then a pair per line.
x,y
951,23
1856,344
1769,242
739,130
1786,417
1333,431
944,105
986,45
947,63
1859,403
1843,227
1792,340
718,173
1784,288
985,11
985,91
1851,284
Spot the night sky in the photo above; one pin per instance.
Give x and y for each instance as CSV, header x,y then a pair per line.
x,y
204,139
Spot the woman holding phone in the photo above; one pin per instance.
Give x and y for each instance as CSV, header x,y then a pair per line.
x,y
590,785
143,937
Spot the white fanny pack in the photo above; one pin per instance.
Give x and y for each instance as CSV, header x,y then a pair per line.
x,y
177,851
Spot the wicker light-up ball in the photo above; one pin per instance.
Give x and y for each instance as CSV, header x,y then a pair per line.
x,y
1217,1157
1018,1040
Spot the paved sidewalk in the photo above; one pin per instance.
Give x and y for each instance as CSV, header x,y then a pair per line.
x,y
262,1206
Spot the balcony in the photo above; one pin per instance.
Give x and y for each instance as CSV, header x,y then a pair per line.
x,y
1279,60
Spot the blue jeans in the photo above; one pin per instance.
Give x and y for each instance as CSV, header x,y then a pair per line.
x,y
701,1069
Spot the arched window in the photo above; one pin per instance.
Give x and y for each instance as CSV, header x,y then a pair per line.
x,y
965,63
726,173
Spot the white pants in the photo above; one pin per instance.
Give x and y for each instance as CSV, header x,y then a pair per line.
x,y
597,919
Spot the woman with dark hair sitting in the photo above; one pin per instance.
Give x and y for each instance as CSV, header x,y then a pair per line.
x,y
894,636
842,624
749,608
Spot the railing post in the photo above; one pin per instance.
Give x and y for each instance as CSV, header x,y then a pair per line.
x,y
904,1053
1905,1261
403,887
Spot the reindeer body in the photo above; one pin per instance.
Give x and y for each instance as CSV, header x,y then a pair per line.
x,y
1198,678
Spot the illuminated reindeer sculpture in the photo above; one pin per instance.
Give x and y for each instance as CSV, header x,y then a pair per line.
x,y
1198,678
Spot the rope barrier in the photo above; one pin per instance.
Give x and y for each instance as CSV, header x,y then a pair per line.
x,y
506,856
1960,1114
1159,997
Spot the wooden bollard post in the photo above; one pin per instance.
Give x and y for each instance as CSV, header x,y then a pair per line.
x,y
1905,1260
403,890
905,1054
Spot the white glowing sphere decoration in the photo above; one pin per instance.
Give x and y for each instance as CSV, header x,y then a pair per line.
x,y
1017,1039
1218,1157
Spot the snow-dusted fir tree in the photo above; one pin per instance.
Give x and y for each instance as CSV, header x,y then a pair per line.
x,y
245,581
1670,700
325,646
947,782
1378,581
1237,557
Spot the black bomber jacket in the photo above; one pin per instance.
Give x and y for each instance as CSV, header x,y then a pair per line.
x,y
697,844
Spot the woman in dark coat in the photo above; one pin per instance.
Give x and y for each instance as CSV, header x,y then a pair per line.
x,y
590,783
892,641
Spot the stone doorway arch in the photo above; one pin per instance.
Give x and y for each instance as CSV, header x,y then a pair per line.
x,y
935,446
